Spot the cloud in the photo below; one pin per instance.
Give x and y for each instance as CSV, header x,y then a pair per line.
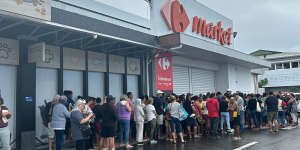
x,y
262,24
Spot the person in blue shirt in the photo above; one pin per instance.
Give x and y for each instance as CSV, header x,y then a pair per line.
x,y
69,104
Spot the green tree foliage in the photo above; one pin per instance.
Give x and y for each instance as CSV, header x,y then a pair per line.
x,y
263,82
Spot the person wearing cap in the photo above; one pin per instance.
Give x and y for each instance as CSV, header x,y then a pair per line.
x,y
124,112
108,123
80,125
59,118
159,108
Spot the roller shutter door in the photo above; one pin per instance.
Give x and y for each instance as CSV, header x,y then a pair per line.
x,y
96,84
73,80
46,89
202,81
132,85
8,93
181,80
116,85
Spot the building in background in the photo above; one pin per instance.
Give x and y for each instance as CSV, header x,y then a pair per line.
x,y
102,47
284,74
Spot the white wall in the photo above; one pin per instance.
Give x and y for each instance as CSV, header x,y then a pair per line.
x,y
222,83
282,77
240,78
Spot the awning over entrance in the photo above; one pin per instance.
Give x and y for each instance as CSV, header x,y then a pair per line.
x,y
21,28
195,48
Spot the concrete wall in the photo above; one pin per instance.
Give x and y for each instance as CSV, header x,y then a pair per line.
x,y
222,82
282,77
240,79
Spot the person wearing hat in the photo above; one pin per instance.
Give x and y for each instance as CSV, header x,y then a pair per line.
x,y
159,108
109,122
80,125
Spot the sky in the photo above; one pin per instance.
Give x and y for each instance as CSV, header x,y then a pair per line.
x,y
262,24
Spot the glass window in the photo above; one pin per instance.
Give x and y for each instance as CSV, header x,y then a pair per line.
x,y
279,66
295,64
286,65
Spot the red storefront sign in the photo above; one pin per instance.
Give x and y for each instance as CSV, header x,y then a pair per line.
x,y
178,21
164,72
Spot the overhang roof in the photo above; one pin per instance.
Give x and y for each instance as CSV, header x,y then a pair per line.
x,y
126,42
196,48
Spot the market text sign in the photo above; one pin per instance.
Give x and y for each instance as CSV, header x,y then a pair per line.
x,y
178,21
164,72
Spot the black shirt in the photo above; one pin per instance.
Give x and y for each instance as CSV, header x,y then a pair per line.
x,y
223,106
188,107
109,115
97,111
252,104
159,105
272,104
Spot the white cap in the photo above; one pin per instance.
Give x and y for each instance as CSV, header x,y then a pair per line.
x,y
159,92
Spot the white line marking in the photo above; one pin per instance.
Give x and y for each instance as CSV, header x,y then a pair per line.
x,y
246,146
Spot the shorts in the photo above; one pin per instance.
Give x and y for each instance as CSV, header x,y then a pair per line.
x,y
175,123
51,133
160,120
235,122
272,116
191,121
108,132
97,128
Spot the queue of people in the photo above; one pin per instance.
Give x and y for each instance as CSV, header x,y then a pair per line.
x,y
176,118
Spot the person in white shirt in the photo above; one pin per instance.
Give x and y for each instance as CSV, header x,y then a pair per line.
x,y
151,119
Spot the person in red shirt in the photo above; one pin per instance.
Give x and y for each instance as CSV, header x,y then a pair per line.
x,y
212,105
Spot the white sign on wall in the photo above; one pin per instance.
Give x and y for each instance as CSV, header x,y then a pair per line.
x,y
116,64
51,56
74,59
40,9
133,66
9,51
96,61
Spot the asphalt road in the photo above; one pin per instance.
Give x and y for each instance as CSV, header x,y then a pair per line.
x,y
286,139
261,140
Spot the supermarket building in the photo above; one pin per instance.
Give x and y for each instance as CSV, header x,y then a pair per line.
x,y
96,48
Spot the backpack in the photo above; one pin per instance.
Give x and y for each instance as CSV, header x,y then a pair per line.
x,y
46,112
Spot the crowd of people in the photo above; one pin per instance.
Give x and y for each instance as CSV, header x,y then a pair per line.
x,y
175,118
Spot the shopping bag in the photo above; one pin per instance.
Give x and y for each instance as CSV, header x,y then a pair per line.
x,y
182,114
235,114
